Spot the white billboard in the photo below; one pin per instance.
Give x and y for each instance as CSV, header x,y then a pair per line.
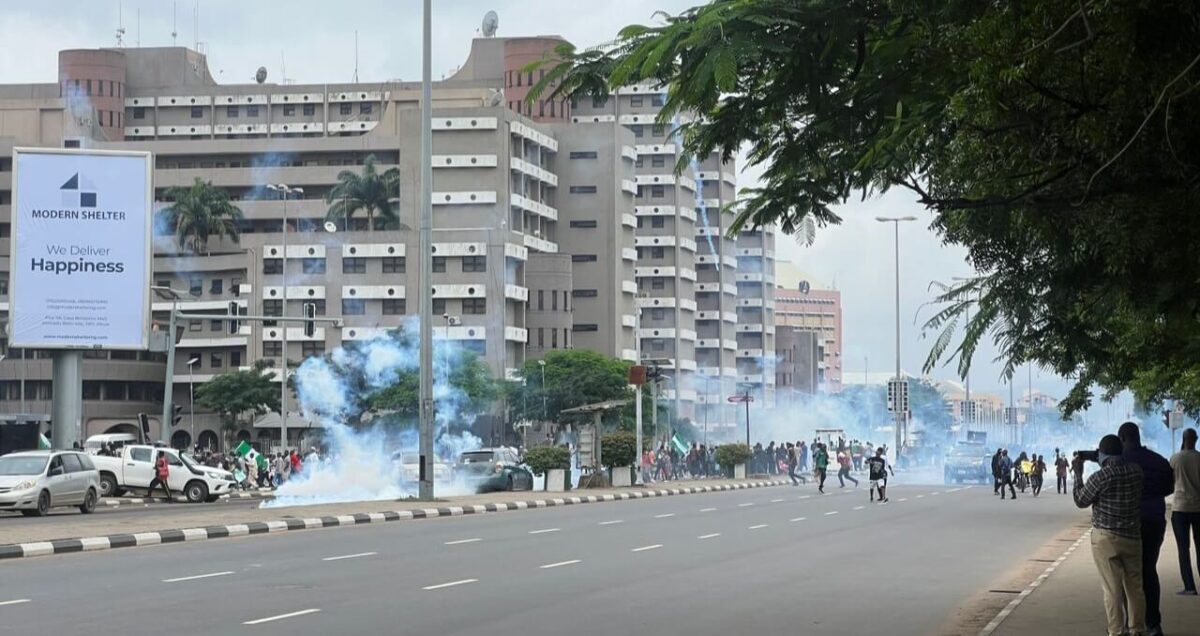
x,y
81,249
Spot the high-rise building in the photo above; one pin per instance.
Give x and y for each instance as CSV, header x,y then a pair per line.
x,y
557,226
803,304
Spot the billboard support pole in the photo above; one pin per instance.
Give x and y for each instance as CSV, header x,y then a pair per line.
x,y
164,425
67,408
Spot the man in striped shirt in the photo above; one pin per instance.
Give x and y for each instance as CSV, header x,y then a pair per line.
x,y
1114,493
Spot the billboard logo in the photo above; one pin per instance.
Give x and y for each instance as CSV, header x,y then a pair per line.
x,y
78,192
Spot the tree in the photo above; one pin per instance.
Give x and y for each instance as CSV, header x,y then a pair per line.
x,y
372,192
200,212
574,377
1046,138
466,374
236,394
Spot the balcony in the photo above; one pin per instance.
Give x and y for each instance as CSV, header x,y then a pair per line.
x,y
529,205
516,292
532,171
516,334
540,245
373,292
464,161
543,140
476,197
440,124
295,292
460,291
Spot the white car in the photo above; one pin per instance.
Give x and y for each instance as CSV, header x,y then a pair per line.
x,y
410,467
134,470
36,481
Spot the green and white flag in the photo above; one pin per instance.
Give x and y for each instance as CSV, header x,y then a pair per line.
x,y
247,452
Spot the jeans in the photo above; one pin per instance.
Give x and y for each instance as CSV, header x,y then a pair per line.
x,y
156,481
1062,484
821,472
792,474
1153,531
1119,562
845,473
1181,523
1007,483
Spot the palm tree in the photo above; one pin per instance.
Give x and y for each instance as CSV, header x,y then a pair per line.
x,y
370,191
200,212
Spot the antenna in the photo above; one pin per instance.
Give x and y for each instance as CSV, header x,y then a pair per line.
x,y
139,27
174,21
120,24
196,25
355,80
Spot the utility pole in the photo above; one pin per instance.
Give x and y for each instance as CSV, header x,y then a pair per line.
x,y
425,260
899,413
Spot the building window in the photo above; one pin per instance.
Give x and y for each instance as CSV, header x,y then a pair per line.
x,y
474,264
252,111
553,301
635,101
657,191
196,286
139,113
583,225
439,264
272,307
345,109
310,110
318,305
658,314
658,283
658,252
584,327
272,349
585,293
541,339
91,390
638,163
215,325
272,266
216,360
364,108
474,306
553,338
584,154
235,359
393,265
658,221
583,258
289,111
658,344
197,112
566,305
656,100
638,131
231,112
597,101
583,189
354,266
353,307
439,306
310,349
313,265
541,306
658,130
216,287
393,306
658,161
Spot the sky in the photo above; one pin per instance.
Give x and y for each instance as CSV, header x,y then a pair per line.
x,y
314,41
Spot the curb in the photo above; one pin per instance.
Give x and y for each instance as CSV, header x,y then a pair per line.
x,y
1016,602
113,541
119,501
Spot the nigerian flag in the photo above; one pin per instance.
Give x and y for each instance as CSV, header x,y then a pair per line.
x,y
246,451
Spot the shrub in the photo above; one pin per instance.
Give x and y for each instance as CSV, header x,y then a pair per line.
x,y
730,455
619,449
545,458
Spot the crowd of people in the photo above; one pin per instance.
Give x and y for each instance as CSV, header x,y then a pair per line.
x,y
1026,472
667,463
272,471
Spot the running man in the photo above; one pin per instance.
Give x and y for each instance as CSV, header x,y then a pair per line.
x,y
879,467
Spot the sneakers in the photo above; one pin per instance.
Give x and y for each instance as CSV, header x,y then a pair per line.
x,y
1186,592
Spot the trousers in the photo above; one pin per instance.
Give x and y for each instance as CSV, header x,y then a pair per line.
x,y
1153,531
1119,562
1184,523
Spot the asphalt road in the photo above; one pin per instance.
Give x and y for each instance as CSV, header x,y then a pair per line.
x,y
772,561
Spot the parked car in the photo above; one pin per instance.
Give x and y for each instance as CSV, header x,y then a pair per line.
x,y
134,470
490,469
33,482
409,465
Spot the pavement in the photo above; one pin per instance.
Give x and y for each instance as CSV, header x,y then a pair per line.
x,y
779,560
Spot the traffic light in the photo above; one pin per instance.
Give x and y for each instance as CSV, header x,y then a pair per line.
x,y
310,327
176,414
233,311
1167,419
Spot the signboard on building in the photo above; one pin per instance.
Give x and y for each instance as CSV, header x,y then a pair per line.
x,y
81,249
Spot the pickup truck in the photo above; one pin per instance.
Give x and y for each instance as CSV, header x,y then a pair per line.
x,y
134,470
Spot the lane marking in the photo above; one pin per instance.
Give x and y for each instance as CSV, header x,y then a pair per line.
x,y
544,530
350,556
859,507
920,496
805,497
613,522
776,500
450,584
834,512
198,576
758,527
647,547
904,499
462,541
281,617
17,601
797,519
559,564
707,509
709,536
664,516
746,505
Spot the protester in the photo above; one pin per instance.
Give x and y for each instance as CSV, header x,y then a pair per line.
x,y
821,462
791,464
1185,507
996,474
1158,482
1039,470
844,464
161,472
1060,471
877,468
1114,493
1006,474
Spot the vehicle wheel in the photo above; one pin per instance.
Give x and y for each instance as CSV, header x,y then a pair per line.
x,y
510,484
108,486
89,502
195,491
43,505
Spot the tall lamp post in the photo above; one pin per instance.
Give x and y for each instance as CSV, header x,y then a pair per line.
x,y
425,261
284,190
192,398
900,415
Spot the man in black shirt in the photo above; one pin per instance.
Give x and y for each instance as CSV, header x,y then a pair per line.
x,y
878,467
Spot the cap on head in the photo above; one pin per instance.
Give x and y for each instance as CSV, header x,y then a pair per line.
x,y
1111,445
1129,432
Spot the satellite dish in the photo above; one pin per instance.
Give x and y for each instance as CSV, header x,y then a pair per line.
x,y
490,22
330,227
260,75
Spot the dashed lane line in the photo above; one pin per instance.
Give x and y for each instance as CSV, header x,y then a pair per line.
x,y
797,519
612,522
198,576
463,541
831,512
281,616
647,547
551,566
544,530
746,505
758,527
709,536
776,500
441,586
16,601
707,509
349,556
859,507
664,516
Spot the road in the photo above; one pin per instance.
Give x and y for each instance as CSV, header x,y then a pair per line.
x,y
783,560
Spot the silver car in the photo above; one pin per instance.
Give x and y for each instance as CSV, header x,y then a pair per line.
x,y
36,481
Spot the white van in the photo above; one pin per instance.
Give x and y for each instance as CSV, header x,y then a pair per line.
x,y
97,442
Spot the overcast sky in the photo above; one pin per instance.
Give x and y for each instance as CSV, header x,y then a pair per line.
x,y
316,41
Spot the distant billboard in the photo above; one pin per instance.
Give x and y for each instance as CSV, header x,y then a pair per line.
x,y
81,249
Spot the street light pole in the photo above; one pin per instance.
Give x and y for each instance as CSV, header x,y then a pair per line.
x,y
899,413
284,190
425,261
192,398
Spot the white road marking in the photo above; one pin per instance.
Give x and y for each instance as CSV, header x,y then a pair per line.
x,y
198,576
805,497
544,530
450,584
17,601
647,547
669,514
746,505
281,617
776,500
709,536
707,509
758,527
462,541
904,499
797,519
934,494
349,556
920,496
834,512
613,522
559,564
859,507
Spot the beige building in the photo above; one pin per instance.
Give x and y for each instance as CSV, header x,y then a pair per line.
x,y
511,278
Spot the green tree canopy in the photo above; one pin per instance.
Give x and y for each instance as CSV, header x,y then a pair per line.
x,y
466,374
200,212
373,193
236,394
574,377
1050,139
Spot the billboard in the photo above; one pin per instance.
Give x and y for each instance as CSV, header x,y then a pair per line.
x,y
81,249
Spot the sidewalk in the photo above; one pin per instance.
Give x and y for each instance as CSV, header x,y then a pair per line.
x,y
1068,601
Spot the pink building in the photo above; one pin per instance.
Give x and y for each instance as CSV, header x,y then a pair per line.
x,y
800,303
